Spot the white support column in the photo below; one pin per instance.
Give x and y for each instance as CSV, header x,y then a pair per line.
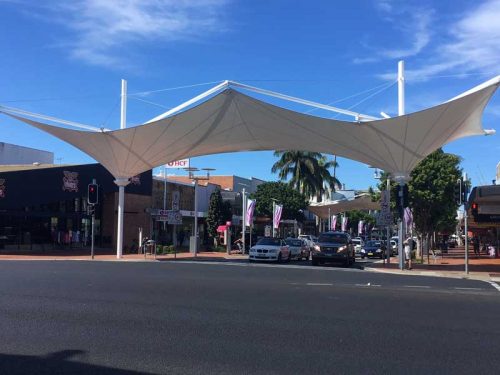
x,y
121,182
123,113
401,88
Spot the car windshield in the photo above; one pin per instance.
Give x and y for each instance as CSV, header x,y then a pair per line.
x,y
332,237
269,241
356,241
373,243
294,242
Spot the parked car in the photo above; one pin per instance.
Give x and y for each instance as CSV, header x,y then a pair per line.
x,y
358,245
269,248
373,249
333,247
298,248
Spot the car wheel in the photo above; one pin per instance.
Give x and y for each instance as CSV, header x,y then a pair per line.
x,y
279,258
314,262
289,257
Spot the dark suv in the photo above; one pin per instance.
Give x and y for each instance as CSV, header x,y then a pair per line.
x,y
333,247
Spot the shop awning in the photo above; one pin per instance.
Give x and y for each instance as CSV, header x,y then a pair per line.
x,y
361,202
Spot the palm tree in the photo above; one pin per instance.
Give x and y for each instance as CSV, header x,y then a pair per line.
x,y
309,172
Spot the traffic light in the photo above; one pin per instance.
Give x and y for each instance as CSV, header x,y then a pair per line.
x,y
93,194
474,209
400,206
457,193
464,191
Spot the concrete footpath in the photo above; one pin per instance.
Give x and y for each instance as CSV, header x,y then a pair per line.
x,y
449,264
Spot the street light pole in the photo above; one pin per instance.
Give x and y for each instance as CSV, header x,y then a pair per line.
x,y
464,185
243,217
191,171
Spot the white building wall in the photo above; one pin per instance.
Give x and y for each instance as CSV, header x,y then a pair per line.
x,y
13,154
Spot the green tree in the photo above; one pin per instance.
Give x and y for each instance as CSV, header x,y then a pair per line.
x,y
215,215
309,171
293,201
355,216
430,192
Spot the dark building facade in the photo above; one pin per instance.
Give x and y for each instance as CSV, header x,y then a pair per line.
x,y
45,207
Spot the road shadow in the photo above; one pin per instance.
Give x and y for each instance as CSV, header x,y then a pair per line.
x,y
54,364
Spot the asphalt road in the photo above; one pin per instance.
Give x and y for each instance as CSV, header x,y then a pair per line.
x,y
63,317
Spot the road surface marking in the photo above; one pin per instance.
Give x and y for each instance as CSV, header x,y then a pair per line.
x,y
469,288
319,284
368,284
417,286
494,285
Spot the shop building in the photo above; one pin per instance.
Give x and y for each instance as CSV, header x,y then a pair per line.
x,y
44,207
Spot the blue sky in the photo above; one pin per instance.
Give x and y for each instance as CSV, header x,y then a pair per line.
x,y
66,59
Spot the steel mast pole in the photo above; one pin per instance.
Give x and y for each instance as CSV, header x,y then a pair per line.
x,y
121,182
388,250
195,217
466,229
401,112
243,216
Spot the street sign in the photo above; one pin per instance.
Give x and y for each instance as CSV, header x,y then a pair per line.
x,y
170,216
385,216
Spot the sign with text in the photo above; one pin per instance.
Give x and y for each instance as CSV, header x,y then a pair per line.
x,y
385,215
178,164
172,217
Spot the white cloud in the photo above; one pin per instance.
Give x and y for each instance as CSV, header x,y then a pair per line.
x,y
103,30
415,27
471,44
418,27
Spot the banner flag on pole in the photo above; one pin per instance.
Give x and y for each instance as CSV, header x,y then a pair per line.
x,y
408,217
360,227
344,224
277,216
250,211
334,222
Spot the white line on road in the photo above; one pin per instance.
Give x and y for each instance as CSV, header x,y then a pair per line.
x,y
319,284
468,288
417,286
369,284
494,285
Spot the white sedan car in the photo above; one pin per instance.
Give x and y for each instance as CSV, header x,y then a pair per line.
x,y
270,249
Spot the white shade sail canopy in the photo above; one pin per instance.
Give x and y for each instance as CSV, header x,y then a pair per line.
x,y
232,121
360,202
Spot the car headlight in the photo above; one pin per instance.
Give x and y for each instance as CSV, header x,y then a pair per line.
x,y
363,250
379,250
342,249
317,248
